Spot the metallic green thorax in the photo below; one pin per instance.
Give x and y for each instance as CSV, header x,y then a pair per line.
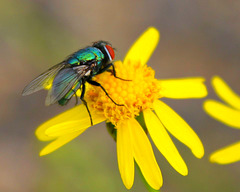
x,y
86,55
83,57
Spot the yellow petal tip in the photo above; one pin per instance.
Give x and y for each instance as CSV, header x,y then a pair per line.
x,y
184,171
185,174
185,88
216,80
213,159
216,160
45,151
42,153
216,77
226,155
198,151
154,32
128,185
199,154
225,92
143,47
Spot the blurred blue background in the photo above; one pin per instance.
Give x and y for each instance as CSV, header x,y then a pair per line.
x,y
198,38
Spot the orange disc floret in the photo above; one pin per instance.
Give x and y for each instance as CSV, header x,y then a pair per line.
x,y
136,95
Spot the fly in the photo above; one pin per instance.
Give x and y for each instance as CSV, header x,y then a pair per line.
x,y
71,74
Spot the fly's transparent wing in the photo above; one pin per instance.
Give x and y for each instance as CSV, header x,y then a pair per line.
x,y
64,81
43,80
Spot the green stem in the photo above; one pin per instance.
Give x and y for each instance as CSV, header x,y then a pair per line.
x,y
111,130
149,188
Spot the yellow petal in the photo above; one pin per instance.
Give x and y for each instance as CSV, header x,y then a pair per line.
x,y
72,120
72,126
59,142
144,156
183,88
222,113
229,154
143,47
40,133
225,92
125,154
163,142
179,128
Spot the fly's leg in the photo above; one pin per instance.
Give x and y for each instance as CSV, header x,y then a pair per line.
x,y
75,94
75,97
106,68
113,71
99,85
85,102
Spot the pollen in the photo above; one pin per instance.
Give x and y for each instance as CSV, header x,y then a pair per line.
x,y
135,93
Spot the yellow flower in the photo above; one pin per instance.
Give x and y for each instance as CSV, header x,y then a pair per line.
x,y
139,96
228,114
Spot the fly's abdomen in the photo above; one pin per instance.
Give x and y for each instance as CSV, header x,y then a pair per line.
x,y
69,95
86,55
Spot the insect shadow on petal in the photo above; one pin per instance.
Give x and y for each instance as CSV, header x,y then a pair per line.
x,y
71,74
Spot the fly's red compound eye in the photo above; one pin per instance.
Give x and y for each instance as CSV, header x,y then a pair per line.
x,y
110,51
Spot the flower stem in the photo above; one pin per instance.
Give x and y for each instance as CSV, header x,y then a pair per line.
x,y
111,130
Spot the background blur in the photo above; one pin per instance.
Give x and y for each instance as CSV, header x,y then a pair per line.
x,y
198,38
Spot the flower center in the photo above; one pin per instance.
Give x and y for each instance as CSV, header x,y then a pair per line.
x,y
136,95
